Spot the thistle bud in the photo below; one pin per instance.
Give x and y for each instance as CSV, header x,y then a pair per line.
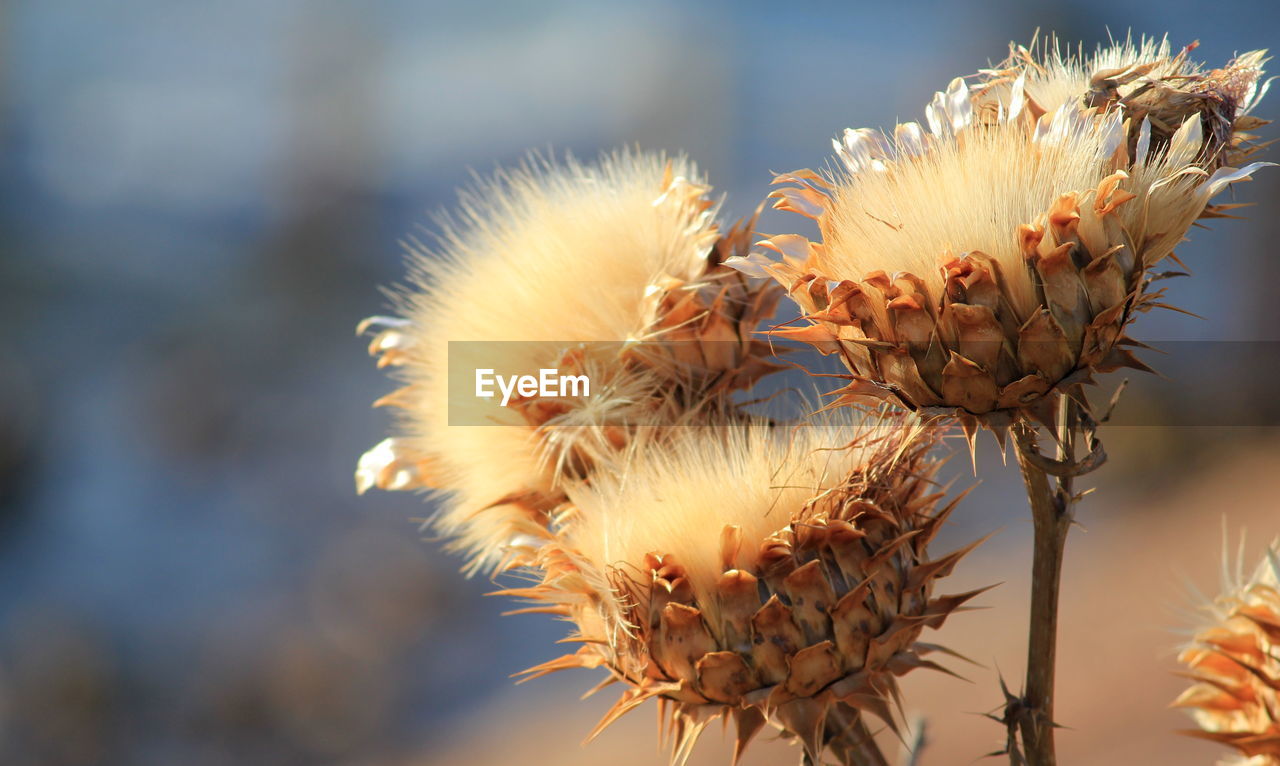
x,y
767,576
1235,664
975,266
610,273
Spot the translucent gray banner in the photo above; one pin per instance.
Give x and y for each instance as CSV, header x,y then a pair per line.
x,y
1195,383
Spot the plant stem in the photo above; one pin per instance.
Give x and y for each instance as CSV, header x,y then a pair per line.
x,y
1051,513
918,743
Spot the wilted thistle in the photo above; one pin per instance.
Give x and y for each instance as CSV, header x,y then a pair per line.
x,y
982,268
757,573
1235,663
996,257
1148,81
610,270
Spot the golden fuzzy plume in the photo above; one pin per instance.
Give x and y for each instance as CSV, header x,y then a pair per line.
x,y
756,573
1235,664
975,266
612,271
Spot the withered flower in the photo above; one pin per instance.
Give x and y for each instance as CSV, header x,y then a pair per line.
x,y
975,266
767,575
1235,663
1148,81
612,271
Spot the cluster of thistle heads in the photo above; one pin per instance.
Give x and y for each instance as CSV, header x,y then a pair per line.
x,y
971,271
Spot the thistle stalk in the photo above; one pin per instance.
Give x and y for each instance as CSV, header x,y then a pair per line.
x,y
1051,500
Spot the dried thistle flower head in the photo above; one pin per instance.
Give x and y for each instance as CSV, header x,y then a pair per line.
x,y
975,266
1147,80
1235,663
612,271
763,574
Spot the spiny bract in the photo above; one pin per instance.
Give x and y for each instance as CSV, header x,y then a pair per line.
x,y
975,267
759,573
1235,663
612,271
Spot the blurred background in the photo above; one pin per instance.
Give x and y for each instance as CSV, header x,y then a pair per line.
x,y
202,199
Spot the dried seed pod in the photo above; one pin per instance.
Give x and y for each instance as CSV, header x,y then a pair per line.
x,y
976,266
761,575
611,271
1155,87
1235,664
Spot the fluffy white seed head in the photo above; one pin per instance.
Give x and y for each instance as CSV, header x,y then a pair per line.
x,y
677,501
962,195
540,258
911,202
